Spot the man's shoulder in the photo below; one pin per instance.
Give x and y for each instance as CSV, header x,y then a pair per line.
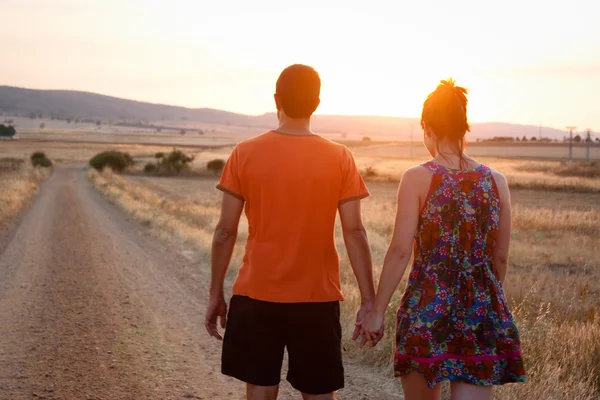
x,y
270,136
334,145
253,141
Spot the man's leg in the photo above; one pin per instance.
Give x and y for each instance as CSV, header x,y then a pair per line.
x,y
314,344
254,392
253,346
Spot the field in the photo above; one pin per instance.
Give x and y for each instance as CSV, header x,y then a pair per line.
x,y
553,283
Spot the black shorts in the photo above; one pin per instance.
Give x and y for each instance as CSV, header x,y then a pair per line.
x,y
258,332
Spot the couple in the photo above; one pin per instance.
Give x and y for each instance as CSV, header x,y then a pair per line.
x,y
453,322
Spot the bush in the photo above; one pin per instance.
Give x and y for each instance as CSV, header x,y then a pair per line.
x,y
7,131
43,162
366,139
150,168
115,160
176,161
172,163
38,154
216,166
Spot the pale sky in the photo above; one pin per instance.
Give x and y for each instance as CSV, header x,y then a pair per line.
x,y
524,61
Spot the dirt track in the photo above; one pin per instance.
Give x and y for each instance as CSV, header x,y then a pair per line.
x,y
92,306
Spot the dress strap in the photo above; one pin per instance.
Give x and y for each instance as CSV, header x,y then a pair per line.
x,y
434,167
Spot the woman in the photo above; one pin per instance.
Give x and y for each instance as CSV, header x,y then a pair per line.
x,y
453,322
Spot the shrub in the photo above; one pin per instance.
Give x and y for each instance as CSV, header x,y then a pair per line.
x,y
43,162
150,168
38,154
175,162
366,139
115,160
7,131
216,166
159,155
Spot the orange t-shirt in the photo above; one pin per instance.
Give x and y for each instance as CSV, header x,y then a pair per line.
x,y
292,186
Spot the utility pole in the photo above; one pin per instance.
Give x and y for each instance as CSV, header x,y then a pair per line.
x,y
540,138
571,129
588,140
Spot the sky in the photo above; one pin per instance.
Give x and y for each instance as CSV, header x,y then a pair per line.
x,y
524,61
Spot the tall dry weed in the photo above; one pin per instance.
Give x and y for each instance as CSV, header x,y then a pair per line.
x,y
17,187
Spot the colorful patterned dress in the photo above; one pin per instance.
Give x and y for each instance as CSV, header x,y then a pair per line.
x,y
453,322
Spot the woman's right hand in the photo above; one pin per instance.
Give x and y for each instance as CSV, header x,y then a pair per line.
x,y
372,328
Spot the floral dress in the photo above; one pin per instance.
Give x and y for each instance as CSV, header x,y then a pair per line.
x,y
453,322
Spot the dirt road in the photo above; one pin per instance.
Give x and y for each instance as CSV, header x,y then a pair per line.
x,y
93,306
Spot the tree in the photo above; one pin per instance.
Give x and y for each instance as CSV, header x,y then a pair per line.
x,y
577,139
7,131
598,140
32,115
69,120
42,125
533,139
517,139
159,130
182,131
98,123
524,139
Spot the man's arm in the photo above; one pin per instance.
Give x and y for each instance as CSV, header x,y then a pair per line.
x,y
359,253
222,247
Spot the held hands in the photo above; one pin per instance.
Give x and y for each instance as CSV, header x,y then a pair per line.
x,y
372,328
366,328
217,309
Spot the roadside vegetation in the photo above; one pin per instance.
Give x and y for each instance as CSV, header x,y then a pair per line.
x,y
19,182
172,163
117,161
39,159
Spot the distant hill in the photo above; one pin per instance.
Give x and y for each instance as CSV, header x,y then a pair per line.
x,y
72,104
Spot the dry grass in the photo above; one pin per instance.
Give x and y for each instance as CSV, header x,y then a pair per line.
x,y
553,288
553,285
189,222
18,184
566,169
548,176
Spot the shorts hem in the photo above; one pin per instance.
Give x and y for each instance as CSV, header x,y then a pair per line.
x,y
250,381
316,392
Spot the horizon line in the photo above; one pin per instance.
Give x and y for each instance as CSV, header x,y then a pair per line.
x,y
316,114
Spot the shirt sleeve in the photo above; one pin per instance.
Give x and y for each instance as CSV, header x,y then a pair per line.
x,y
353,185
230,178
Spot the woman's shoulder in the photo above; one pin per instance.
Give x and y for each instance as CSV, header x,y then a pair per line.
x,y
416,176
498,176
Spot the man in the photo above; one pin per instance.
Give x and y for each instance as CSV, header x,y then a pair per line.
x,y
292,182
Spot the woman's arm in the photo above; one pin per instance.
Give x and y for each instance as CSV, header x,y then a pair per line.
x,y
399,252
500,252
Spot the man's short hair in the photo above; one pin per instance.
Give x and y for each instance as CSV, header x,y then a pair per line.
x,y
298,89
